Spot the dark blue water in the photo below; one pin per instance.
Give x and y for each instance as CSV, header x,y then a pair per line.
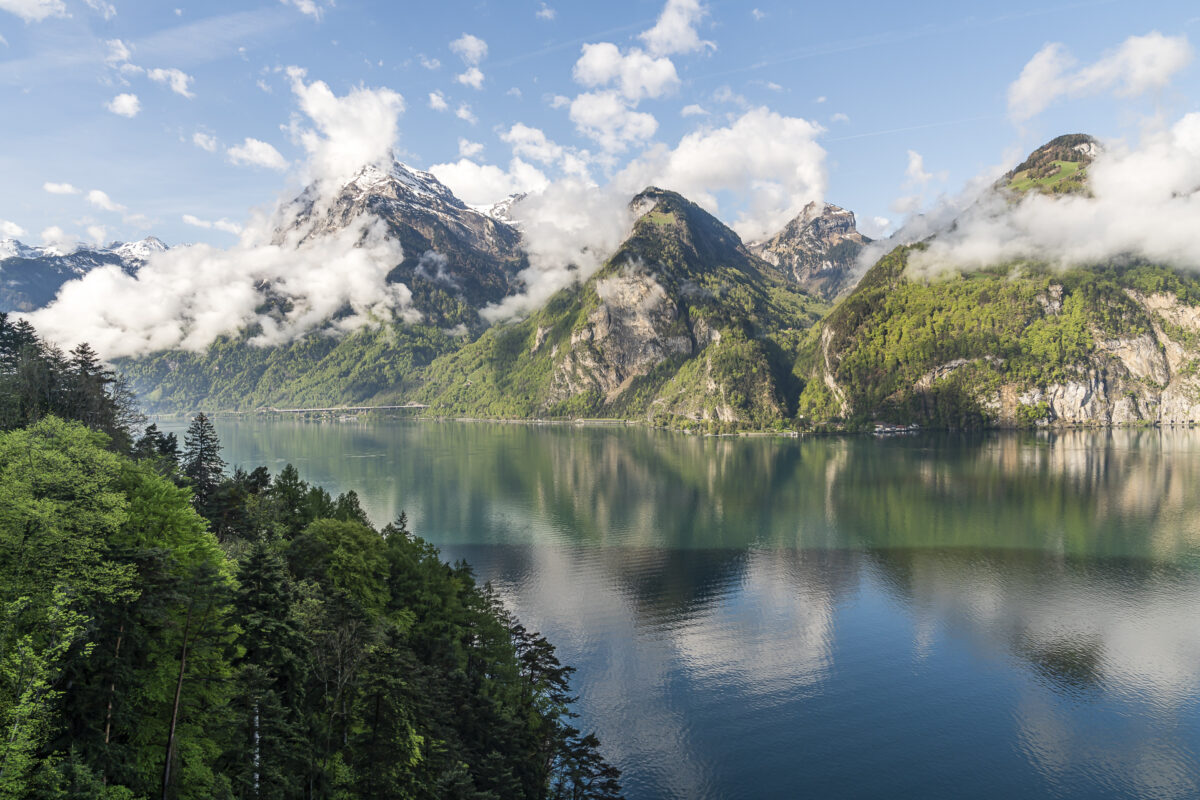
x,y
930,617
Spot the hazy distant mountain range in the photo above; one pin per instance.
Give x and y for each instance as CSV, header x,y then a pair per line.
x,y
686,325
30,277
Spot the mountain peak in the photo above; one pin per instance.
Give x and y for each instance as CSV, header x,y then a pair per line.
x,y
1057,167
819,249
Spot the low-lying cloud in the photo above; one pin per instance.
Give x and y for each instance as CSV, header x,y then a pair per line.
x,y
1144,204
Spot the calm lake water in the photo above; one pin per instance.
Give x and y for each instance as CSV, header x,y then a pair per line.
x,y
924,617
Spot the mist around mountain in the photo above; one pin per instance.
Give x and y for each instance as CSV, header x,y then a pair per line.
x,y
685,325
30,277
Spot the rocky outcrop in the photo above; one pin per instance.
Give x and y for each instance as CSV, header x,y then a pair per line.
x,y
635,328
818,249
1150,378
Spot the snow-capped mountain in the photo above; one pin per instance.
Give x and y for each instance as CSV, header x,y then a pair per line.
x,y
30,277
457,259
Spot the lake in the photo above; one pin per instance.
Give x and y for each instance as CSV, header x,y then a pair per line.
x,y
932,616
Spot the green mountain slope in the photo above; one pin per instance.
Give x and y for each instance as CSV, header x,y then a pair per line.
x,y
1012,345
682,324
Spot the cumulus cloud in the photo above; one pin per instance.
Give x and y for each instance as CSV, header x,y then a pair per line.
x,y
429,63
465,113
60,188
34,10
533,144
545,12
205,141
693,110
176,79
486,184
97,234
118,53
1144,203
349,132
607,119
568,230
437,101
675,31
771,163
1141,64
915,172
255,152
125,105
637,75
473,77
201,292
226,225
10,229
471,49
102,201
469,149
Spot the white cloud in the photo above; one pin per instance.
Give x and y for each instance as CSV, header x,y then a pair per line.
x,y
607,119
102,201
310,8
97,234
839,117
10,229
821,99
464,113
514,92
915,172
473,77
675,31
532,143
637,74
437,101
60,188
485,184
469,149
34,10
1144,202
225,225
429,63
351,131
758,14
3,41
205,141
1141,64
118,53
693,110
56,238
545,12
125,105
471,49
257,153
177,79
771,163
200,292
106,10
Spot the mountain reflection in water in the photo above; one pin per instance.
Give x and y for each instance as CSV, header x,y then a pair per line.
x,y
932,616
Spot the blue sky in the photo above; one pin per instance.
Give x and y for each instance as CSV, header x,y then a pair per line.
x,y
881,79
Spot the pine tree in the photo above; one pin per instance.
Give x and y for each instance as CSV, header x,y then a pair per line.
x,y
202,464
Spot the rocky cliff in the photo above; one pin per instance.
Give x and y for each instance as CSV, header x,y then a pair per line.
x,y
818,249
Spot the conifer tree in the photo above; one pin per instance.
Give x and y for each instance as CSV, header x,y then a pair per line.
x,y
202,464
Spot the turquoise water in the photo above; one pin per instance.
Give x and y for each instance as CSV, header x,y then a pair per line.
x,y
921,617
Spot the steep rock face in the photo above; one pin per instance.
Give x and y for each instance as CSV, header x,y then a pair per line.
x,y
30,277
682,322
457,259
631,331
818,249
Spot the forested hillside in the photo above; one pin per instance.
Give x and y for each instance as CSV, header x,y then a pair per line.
x,y
172,629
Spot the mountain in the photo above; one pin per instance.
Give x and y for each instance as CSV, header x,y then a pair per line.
x,y
457,259
682,324
819,249
1057,167
1013,344
30,277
